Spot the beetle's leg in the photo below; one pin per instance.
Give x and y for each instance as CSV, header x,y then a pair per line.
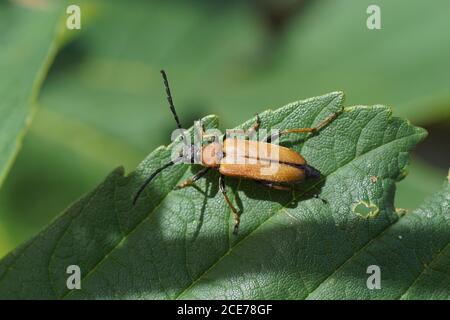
x,y
315,194
275,186
322,124
237,218
255,126
234,131
250,131
287,188
203,136
190,181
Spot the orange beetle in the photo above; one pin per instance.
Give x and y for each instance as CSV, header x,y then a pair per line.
x,y
244,159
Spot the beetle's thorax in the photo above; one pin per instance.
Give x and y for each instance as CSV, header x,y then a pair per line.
x,y
212,155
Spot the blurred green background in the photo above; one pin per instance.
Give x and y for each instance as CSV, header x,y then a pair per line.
x,y
103,104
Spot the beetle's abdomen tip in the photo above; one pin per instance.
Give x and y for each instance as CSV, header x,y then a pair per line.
x,y
311,172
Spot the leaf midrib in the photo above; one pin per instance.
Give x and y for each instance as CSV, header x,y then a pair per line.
x,y
425,267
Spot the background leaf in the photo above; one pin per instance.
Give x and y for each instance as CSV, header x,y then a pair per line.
x,y
419,243
178,244
24,59
28,40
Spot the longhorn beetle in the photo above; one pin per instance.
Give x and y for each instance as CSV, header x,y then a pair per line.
x,y
290,166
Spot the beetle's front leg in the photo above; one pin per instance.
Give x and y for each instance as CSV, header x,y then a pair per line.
x,y
190,181
237,218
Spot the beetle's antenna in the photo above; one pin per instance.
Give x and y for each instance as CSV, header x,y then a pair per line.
x,y
170,100
170,163
149,179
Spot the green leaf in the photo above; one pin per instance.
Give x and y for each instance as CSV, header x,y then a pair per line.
x,y
179,243
28,40
413,254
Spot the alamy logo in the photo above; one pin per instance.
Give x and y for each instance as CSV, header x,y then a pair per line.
x,y
74,19
74,280
374,19
374,280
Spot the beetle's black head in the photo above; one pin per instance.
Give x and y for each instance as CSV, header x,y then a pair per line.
x,y
311,172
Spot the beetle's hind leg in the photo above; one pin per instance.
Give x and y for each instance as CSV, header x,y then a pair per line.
x,y
275,186
322,124
312,193
190,181
223,189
